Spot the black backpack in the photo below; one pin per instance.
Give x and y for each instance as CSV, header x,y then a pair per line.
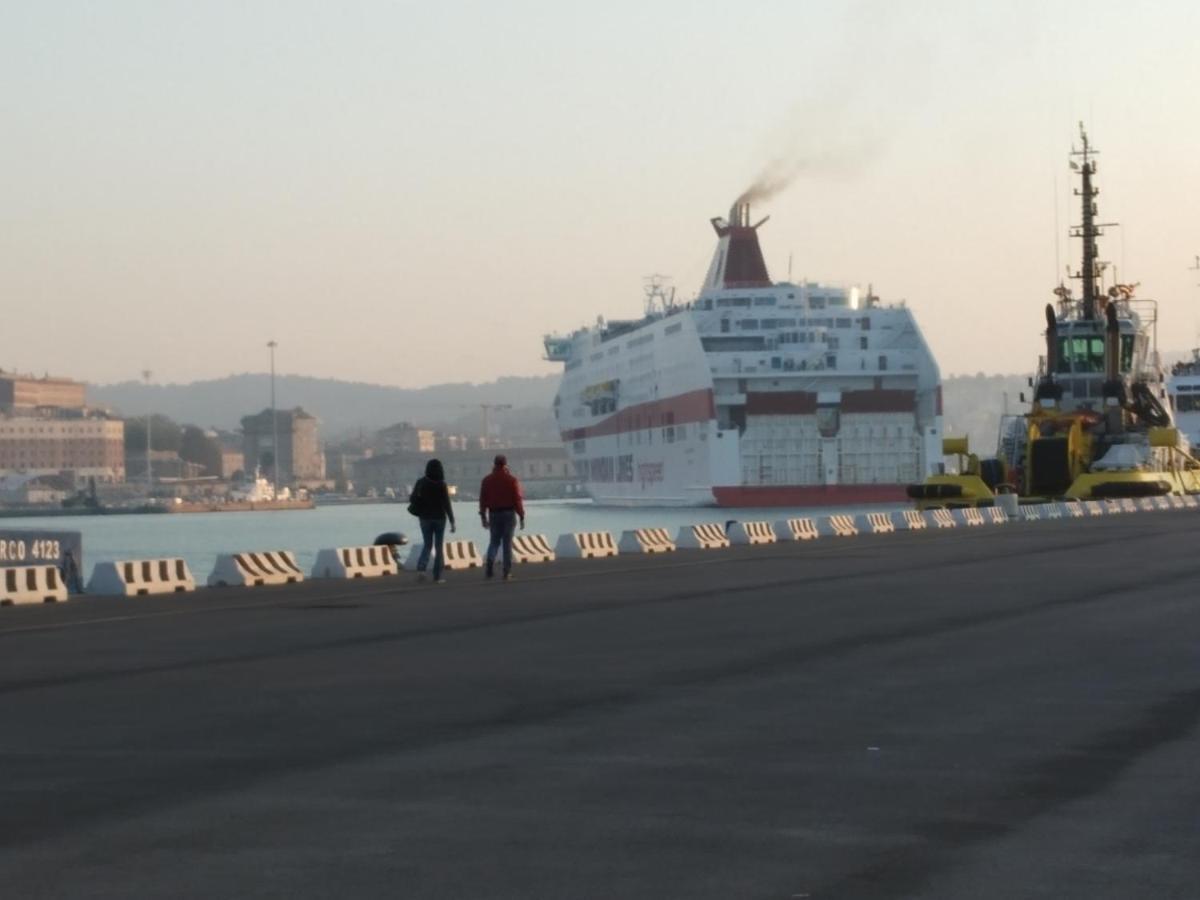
x,y
414,498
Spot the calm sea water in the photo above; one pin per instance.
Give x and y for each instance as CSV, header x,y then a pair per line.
x,y
199,537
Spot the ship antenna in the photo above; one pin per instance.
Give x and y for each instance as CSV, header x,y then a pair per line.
x,y
1089,228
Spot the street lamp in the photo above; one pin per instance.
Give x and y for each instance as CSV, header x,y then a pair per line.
x,y
274,427
146,373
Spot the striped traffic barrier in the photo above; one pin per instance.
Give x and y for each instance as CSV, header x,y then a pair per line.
x,y
1093,507
1053,511
913,520
839,526
880,523
1190,501
797,529
994,515
532,548
1176,501
751,533
1074,509
969,516
1031,513
139,577
356,562
940,518
253,569
31,584
646,540
585,545
1115,507
459,555
709,536
1162,502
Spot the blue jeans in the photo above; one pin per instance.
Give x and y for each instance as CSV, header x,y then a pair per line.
x,y
433,536
503,523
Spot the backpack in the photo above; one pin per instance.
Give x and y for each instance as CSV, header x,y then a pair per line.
x,y
414,508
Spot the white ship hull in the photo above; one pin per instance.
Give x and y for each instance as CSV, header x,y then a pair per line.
x,y
754,394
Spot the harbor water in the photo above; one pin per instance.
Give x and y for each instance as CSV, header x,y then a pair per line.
x,y
199,538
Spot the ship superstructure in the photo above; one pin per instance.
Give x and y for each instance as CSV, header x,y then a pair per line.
x,y
754,393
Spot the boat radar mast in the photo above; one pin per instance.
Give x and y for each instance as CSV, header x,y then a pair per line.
x,y
1088,229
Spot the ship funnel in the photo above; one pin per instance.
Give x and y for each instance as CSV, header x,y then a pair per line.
x,y
738,260
1112,344
1049,392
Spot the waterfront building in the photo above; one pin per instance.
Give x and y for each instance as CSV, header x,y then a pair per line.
x,y
404,437
89,445
300,454
23,394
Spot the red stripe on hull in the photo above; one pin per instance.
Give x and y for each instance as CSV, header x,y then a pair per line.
x,y
683,409
809,495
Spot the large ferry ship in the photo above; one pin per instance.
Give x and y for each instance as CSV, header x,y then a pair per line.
x,y
754,393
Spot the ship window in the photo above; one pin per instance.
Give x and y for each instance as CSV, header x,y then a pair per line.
x,y
764,301
831,361
882,363
776,362
1126,352
865,321
843,323
724,326
748,323
817,302
862,343
1081,354
1190,403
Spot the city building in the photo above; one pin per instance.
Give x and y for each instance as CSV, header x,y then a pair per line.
x,y
88,445
405,437
300,454
23,394
545,472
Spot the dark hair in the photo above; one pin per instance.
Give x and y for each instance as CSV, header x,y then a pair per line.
x,y
501,459
434,470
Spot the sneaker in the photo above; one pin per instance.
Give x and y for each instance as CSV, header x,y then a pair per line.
x,y
508,576
420,578
440,581
488,573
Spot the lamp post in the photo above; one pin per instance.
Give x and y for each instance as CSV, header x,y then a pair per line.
x,y
274,427
146,373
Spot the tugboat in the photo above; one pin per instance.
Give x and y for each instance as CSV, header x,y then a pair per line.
x,y
1099,424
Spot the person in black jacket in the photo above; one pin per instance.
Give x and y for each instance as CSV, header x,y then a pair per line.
x,y
430,503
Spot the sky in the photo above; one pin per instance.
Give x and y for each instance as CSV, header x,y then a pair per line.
x,y
414,193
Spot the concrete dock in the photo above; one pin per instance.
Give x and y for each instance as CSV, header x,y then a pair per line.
x,y
1000,712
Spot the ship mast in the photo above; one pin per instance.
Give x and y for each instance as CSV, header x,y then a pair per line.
x,y
1089,228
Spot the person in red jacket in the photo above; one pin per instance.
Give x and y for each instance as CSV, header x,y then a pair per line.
x,y
500,507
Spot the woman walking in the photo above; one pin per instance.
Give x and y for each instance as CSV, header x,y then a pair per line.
x,y
430,503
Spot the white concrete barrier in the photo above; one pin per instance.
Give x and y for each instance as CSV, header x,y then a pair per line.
x,y
31,584
1145,504
797,529
255,568
646,540
1074,509
880,523
1176,501
1053,511
1031,513
940,518
913,520
532,548
138,577
995,515
751,533
1093,507
1114,507
839,526
459,555
585,545
710,536
969,517
355,562
1190,501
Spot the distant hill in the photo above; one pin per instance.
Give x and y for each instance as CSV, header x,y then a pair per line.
x,y
344,407
973,404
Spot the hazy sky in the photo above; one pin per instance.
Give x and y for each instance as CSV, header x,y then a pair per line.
x,y
412,193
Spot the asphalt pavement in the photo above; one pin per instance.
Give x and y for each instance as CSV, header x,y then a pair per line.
x,y
999,712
